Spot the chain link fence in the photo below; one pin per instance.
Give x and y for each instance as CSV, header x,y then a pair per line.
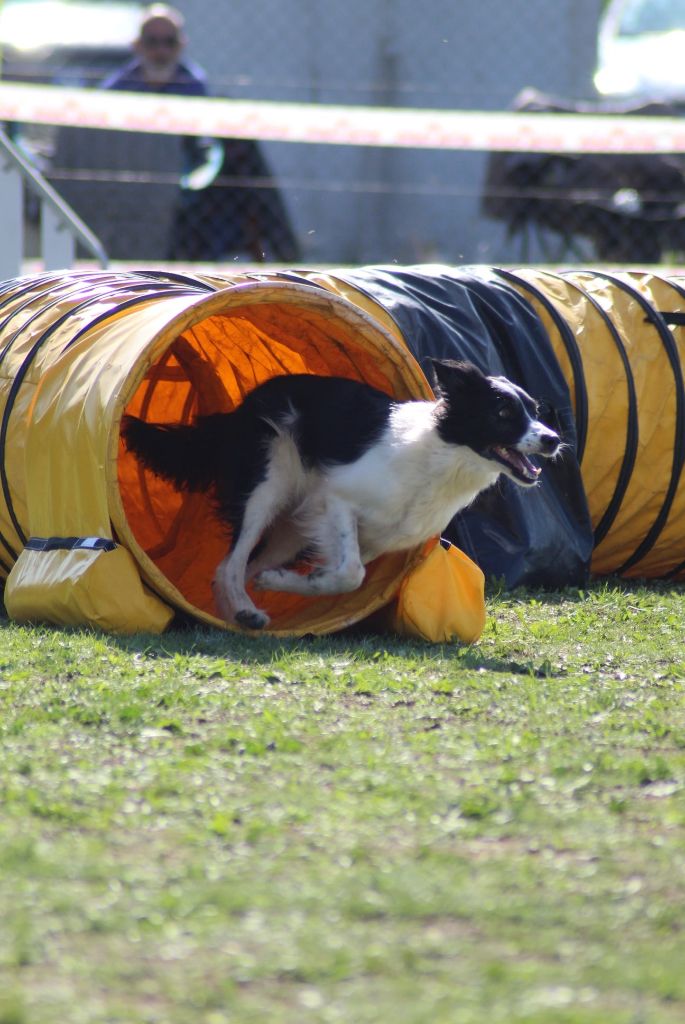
x,y
291,202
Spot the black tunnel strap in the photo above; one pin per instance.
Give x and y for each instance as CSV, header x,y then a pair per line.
x,y
673,319
655,318
572,351
70,544
625,473
168,277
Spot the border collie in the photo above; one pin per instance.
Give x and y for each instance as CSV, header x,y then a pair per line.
x,y
336,472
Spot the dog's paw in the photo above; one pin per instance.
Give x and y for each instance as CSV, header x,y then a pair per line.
x,y
269,579
249,618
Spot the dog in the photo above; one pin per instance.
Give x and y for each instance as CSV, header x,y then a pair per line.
x,y
336,472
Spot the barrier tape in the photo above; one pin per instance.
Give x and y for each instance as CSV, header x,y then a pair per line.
x,y
341,125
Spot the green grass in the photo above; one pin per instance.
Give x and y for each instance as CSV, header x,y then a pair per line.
x,y
201,828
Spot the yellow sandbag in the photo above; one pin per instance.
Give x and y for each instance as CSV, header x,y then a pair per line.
x,y
441,599
101,588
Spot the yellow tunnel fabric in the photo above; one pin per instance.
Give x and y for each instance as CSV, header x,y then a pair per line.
x,y
628,333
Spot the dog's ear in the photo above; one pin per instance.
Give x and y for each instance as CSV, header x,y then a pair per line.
x,y
451,375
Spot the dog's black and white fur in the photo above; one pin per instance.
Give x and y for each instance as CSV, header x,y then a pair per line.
x,y
338,470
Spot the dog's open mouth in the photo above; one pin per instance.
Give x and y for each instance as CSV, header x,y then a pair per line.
x,y
516,462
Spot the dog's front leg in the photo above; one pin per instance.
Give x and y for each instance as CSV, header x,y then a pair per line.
x,y
231,599
230,595
334,535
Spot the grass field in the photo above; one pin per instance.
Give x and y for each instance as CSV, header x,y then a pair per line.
x,y
203,829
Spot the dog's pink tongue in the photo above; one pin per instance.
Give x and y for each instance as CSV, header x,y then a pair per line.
x,y
525,465
519,462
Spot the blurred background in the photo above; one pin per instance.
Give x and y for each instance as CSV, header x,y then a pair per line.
x,y
322,204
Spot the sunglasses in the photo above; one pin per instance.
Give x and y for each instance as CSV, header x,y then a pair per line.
x,y
170,42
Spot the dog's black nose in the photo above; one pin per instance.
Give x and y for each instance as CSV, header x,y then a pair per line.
x,y
549,443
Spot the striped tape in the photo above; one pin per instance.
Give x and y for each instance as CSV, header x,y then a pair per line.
x,y
341,125
70,544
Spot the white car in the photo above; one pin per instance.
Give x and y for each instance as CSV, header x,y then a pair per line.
x,y
71,42
641,51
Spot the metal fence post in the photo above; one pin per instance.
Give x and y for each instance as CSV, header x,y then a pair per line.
x,y
60,228
57,244
11,219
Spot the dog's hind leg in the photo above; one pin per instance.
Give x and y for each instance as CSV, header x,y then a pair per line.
x,y
284,542
334,536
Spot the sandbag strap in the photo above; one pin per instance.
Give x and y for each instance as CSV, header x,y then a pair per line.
x,y
70,544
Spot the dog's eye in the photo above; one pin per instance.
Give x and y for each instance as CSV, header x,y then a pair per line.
x,y
505,411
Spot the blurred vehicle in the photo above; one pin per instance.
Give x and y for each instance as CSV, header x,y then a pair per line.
x,y
70,42
61,42
630,207
641,51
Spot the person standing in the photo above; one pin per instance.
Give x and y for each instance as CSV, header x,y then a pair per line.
x,y
228,200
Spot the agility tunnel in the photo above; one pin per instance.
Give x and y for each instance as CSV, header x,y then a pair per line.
x,y
88,536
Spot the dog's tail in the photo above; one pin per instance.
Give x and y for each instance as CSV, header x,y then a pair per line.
x,y
186,456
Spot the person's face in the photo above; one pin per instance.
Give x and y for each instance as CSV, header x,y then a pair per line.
x,y
159,48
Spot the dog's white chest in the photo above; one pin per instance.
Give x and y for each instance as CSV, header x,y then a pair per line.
x,y
407,487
